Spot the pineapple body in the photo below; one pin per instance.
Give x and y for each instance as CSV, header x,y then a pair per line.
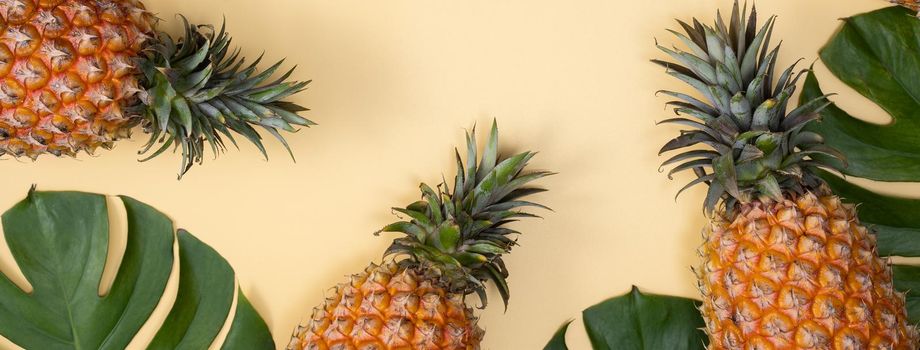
x,y
801,273
389,307
68,80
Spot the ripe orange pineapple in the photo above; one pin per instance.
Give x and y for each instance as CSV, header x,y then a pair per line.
x,y
453,245
76,75
786,264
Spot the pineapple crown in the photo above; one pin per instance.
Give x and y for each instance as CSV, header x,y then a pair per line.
x,y
458,237
757,148
197,91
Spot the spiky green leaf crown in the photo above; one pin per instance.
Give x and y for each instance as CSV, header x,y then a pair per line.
x,y
198,92
458,236
758,148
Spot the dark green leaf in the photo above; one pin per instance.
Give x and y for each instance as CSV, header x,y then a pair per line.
x,y
248,330
724,169
897,241
707,154
205,293
59,240
434,204
878,55
749,61
695,182
486,248
489,154
557,342
638,321
762,115
471,259
180,106
907,280
706,110
770,187
290,117
693,164
189,63
449,237
691,138
418,216
407,228
500,283
163,95
713,195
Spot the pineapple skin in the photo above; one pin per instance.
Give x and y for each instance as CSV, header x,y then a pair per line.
x,y
802,273
68,80
388,307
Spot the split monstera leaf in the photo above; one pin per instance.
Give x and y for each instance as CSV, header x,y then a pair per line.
x,y
876,54
60,242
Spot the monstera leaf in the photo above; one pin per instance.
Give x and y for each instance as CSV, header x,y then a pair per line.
x,y
60,241
638,321
557,342
878,55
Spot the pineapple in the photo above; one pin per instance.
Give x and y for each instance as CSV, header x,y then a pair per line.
x,y
77,75
453,244
786,265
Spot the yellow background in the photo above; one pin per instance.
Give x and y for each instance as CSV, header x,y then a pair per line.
x,y
395,85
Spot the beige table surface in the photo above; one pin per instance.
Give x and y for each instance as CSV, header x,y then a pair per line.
x,y
395,84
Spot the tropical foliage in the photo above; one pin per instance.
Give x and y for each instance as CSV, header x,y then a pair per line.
x,y
60,241
640,321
